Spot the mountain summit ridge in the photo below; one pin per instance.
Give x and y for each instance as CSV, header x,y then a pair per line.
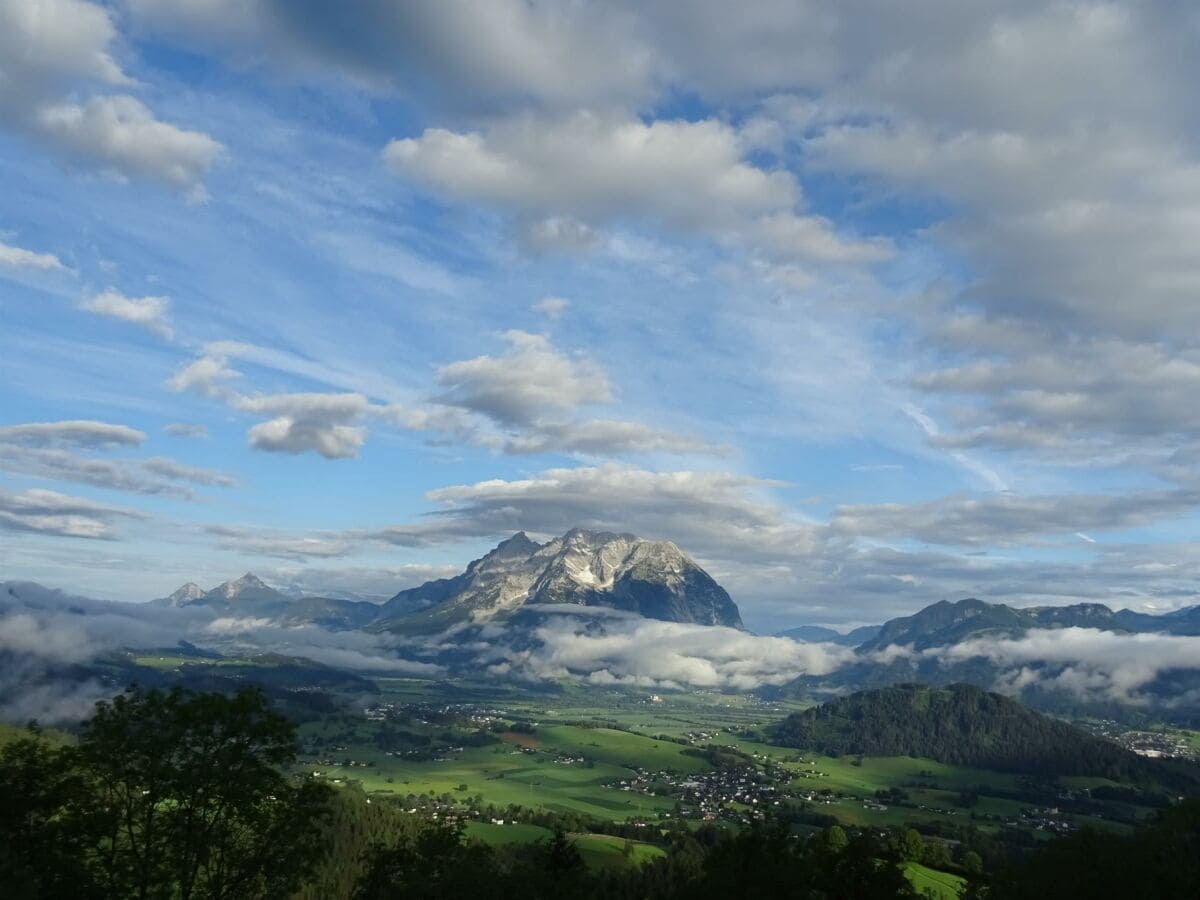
x,y
654,579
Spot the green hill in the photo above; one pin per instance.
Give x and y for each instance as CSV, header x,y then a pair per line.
x,y
962,725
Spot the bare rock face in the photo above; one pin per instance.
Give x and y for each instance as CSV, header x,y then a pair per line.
x,y
654,579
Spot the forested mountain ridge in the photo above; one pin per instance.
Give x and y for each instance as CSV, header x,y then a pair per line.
x,y
963,725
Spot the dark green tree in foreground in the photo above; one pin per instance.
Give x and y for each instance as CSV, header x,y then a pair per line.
x,y
167,795
1160,860
42,834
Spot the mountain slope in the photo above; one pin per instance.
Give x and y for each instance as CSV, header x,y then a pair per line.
x,y
654,579
959,724
816,634
951,623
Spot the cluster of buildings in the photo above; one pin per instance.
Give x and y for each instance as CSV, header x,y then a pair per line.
x,y
1153,744
742,794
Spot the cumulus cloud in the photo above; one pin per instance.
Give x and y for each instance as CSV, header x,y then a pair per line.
x,y
40,511
53,48
204,375
18,257
319,422
610,648
308,422
122,134
598,170
146,312
470,54
525,384
1084,661
531,392
73,432
519,402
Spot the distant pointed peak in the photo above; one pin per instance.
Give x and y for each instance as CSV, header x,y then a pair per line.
x,y
186,593
248,582
518,543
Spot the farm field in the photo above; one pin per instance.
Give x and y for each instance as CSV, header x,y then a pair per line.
x,y
598,850
933,883
574,746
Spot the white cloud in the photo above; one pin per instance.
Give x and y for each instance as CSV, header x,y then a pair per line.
x,y
265,542
469,54
529,382
51,513
158,476
75,432
552,307
603,437
598,170
519,402
1085,661
18,257
52,48
649,653
169,468
204,375
121,133
146,312
308,422
45,42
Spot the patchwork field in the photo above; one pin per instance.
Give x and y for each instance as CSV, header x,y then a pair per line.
x,y
569,748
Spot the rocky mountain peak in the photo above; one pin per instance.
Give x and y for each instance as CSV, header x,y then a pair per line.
x,y
520,544
584,567
248,582
185,594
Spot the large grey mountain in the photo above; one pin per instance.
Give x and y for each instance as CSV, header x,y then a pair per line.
x,y
654,579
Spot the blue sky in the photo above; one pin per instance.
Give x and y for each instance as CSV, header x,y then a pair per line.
x,y
863,310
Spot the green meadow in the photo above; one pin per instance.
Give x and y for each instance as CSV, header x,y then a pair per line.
x,y
932,883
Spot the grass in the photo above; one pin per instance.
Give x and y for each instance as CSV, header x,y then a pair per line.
x,y
505,776
607,851
599,851
575,721
621,748
932,882
506,835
